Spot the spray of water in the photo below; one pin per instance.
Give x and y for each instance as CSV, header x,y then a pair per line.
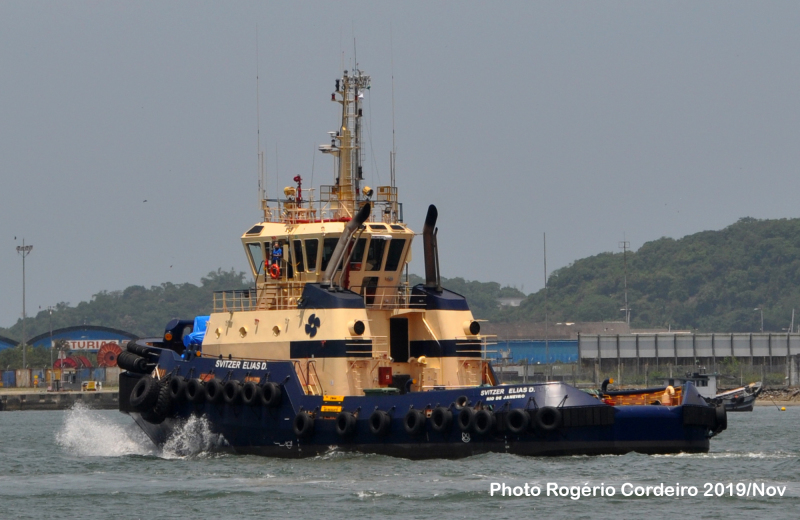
x,y
88,433
192,438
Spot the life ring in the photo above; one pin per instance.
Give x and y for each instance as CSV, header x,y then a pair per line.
x,y
548,418
274,271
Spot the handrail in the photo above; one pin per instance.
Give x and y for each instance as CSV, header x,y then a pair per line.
x,y
286,294
309,365
330,209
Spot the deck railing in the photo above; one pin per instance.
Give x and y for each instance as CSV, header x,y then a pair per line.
x,y
285,295
386,209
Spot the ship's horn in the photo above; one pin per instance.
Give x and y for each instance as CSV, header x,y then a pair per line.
x,y
431,250
349,229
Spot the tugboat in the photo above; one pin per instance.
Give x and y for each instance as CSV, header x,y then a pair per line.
x,y
739,399
333,348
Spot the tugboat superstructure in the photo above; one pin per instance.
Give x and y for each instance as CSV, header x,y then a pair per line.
x,y
333,347
351,241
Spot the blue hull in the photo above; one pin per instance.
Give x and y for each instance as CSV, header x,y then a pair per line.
x,y
256,429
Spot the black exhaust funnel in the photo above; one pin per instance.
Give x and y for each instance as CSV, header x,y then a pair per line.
x,y
432,280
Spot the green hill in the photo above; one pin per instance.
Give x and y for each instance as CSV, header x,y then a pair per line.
x,y
712,281
144,312
138,310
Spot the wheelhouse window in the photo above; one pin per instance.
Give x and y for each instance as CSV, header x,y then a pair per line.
x,y
377,246
288,259
328,245
256,256
281,256
395,255
312,246
358,254
255,230
298,256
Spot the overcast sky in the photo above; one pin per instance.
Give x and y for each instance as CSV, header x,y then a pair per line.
x,y
584,120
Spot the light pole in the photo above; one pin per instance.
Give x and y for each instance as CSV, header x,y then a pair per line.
x,y
762,316
625,245
24,251
50,310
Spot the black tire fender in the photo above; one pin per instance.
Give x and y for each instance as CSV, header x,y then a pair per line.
x,y
518,421
414,422
303,424
163,407
177,388
484,422
720,418
143,366
130,362
466,418
195,391
345,424
214,391
252,394
548,418
139,350
441,419
272,394
232,392
380,423
144,394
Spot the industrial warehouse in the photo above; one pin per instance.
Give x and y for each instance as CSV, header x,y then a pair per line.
x,y
79,354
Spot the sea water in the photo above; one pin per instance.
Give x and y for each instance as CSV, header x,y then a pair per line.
x,y
90,464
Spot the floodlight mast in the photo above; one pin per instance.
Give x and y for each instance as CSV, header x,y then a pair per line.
x,y
24,251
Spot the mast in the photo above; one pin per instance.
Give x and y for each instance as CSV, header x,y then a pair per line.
x,y
346,142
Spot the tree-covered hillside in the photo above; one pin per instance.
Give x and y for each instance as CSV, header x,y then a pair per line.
x,y
144,312
481,296
714,281
138,310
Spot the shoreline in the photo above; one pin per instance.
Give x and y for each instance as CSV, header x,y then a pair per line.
x,y
41,400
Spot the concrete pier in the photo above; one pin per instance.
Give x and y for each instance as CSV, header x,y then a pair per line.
x,y
18,401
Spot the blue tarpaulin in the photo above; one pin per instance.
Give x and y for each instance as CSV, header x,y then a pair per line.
x,y
198,332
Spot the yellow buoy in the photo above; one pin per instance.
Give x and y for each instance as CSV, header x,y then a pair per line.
x,y
783,408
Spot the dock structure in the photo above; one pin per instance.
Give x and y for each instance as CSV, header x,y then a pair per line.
x,y
759,355
21,401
